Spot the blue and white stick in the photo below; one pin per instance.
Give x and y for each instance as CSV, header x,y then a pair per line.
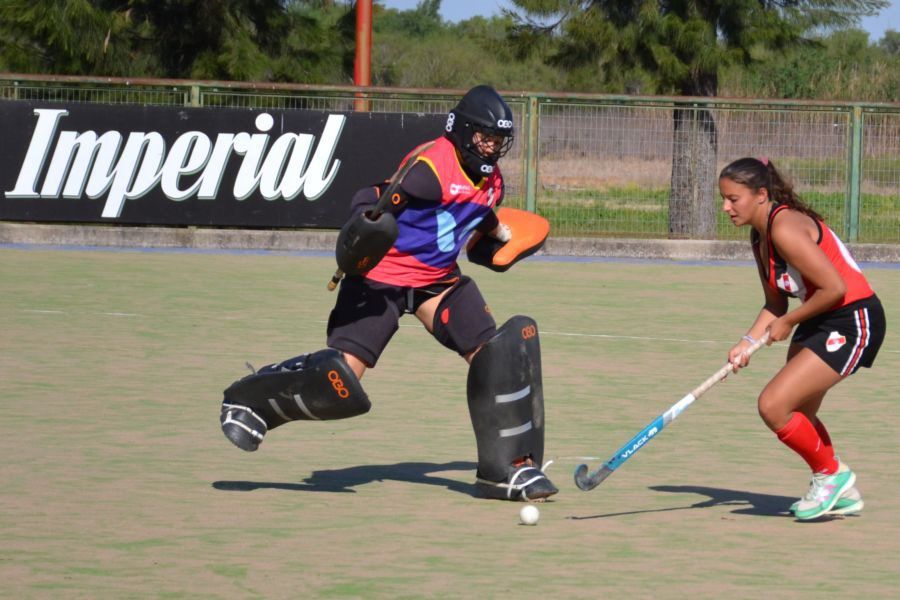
x,y
588,481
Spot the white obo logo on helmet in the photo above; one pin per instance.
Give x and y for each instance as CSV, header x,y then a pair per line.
x,y
451,118
504,124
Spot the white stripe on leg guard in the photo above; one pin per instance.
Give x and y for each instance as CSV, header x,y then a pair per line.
x,y
278,410
516,430
300,404
502,398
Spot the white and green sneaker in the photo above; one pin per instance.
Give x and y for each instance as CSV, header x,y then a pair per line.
x,y
824,492
849,503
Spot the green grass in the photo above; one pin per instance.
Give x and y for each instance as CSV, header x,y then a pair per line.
x,y
117,481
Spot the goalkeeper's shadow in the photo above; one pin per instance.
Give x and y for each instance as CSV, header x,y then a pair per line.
x,y
345,480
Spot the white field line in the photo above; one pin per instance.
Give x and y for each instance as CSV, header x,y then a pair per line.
x,y
418,326
575,458
62,312
629,337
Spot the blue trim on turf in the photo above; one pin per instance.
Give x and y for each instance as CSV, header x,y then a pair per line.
x,y
167,250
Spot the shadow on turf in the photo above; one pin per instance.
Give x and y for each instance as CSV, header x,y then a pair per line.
x,y
344,480
763,505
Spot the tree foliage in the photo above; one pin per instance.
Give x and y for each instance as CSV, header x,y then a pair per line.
x,y
682,44
205,39
890,43
418,49
562,45
841,66
69,37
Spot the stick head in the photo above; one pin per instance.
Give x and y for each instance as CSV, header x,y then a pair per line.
x,y
588,481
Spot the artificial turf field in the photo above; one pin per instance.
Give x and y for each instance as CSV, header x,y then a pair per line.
x,y
117,481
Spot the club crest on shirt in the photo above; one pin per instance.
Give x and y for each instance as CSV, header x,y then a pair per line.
x,y
835,341
786,282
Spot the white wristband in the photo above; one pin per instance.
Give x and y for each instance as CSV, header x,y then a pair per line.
x,y
749,338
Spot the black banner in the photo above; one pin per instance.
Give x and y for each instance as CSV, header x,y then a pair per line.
x,y
85,163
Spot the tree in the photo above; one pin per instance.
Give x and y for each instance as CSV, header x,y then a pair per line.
x,y
890,43
72,37
419,22
409,46
841,66
415,48
242,40
684,43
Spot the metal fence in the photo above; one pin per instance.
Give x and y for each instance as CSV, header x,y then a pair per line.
x,y
600,165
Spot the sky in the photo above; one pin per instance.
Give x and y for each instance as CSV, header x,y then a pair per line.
x,y
458,10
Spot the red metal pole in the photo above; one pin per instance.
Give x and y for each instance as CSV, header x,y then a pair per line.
x,y
362,66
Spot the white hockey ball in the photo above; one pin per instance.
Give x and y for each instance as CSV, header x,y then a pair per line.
x,y
529,514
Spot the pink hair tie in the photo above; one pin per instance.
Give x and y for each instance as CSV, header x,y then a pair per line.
x,y
764,160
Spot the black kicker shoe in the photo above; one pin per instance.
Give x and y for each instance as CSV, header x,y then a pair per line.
x,y
243,427
526,483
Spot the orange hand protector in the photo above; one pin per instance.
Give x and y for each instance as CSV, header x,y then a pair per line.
x,y
529,232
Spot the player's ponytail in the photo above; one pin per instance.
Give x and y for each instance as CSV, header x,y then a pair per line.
x,y
759,173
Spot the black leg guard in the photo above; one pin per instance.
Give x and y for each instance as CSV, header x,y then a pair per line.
x,y
506,403
314,387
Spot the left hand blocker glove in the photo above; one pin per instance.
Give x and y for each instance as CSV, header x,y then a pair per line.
x,y
528,234
363,242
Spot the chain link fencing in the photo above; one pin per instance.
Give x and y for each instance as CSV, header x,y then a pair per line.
x,y
606,166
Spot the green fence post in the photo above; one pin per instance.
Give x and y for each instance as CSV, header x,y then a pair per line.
x,y
855,175
531,153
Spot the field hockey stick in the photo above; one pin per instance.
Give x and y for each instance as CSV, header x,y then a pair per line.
x,y
388,196
588,481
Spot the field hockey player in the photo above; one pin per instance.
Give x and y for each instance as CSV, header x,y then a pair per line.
x,y
840,323
397,255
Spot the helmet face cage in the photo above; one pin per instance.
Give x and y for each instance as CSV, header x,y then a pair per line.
x,y
506,141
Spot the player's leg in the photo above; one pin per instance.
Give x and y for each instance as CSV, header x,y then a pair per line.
x,y
823,352
459,318
359,367
850,501
506,405
320,387
785,405
798,387
323,385
364,319
504,389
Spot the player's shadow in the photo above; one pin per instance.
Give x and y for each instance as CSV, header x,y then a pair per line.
x,y
749,503
344,480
